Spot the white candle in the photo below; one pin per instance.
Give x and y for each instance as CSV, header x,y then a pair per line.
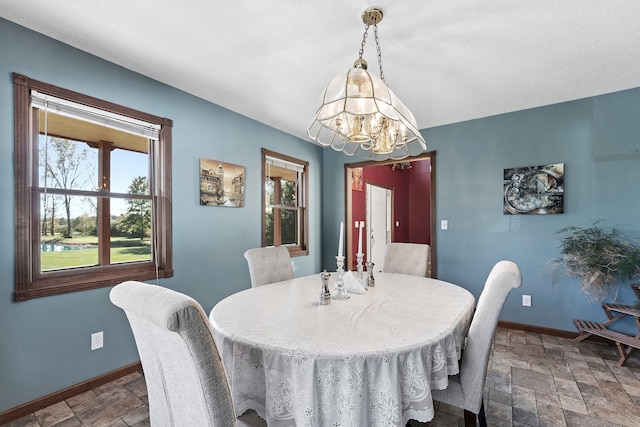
x,y
360,238
340,245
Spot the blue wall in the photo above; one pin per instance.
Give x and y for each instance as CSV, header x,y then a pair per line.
x,y
44,343
598,140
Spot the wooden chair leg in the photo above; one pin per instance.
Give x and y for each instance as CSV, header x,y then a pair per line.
x,y
624,354
469,419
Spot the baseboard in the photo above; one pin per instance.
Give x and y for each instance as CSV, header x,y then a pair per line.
x,y
537,329
550,331
35,405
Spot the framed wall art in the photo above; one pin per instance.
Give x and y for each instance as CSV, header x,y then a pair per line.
x,y
534,190
356,179
221,184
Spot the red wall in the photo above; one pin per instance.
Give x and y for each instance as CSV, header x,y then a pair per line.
x,y
420,202
411,201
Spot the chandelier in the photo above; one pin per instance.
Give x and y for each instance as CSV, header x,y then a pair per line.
x,y
360,116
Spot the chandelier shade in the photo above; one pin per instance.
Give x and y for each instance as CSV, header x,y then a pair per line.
x,y
361,116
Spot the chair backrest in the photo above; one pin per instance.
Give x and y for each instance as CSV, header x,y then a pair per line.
x,y
186,381
504,276
408,258
269,265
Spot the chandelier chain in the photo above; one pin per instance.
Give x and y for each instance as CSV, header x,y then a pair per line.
x,y
364,41
375,33
379,52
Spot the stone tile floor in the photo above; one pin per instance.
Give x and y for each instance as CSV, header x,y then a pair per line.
x,y
120,403
533,380
543,381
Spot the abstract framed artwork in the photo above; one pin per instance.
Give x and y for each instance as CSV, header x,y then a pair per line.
x,y
221,184
534,190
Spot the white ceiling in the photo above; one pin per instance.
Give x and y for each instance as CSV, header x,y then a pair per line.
x,y
447,60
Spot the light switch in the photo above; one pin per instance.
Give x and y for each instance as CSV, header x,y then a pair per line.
x,y
444,224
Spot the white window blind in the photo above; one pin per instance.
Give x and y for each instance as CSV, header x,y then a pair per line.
x,y
272,161
94,115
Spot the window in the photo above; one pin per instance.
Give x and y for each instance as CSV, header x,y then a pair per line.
x,y
92,192
284,201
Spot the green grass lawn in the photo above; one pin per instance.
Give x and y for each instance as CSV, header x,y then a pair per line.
x,y
123,249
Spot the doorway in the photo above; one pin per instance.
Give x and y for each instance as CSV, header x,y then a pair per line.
x,y
412,208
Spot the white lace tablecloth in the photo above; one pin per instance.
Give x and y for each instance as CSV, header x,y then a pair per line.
x,y
371,360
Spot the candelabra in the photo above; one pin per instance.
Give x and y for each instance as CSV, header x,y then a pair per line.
x,y
341,292
361,277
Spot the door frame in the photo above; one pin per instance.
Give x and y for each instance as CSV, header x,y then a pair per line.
x,y
431,155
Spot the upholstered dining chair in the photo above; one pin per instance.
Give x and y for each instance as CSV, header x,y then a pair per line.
x,y
186,381
408,258
269,265
465,390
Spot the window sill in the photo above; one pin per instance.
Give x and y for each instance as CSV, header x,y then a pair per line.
x,y
62,282
297,251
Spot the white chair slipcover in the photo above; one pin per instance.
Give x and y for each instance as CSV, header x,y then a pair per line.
x,y
465,389
408,258
186,382
269,265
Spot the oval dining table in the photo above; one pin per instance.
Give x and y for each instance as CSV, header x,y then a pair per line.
x,y
370,360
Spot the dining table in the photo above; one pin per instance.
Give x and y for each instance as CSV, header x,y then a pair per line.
x,y
369,360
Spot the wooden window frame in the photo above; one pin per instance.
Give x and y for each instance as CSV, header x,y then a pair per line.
x,y
303,248
30,281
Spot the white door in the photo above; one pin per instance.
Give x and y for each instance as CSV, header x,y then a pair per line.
x,y
378,225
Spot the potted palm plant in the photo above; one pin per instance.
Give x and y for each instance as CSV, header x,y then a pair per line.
x,y
600,259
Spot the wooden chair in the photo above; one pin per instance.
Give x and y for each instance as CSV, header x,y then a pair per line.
x,y
614,312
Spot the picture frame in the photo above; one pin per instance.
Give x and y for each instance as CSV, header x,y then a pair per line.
x,y
356,179
537,190
221,183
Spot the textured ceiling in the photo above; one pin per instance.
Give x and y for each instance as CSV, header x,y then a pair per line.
x,y
447,60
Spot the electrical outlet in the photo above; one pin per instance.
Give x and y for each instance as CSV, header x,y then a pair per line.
x,y
526,300
97,341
